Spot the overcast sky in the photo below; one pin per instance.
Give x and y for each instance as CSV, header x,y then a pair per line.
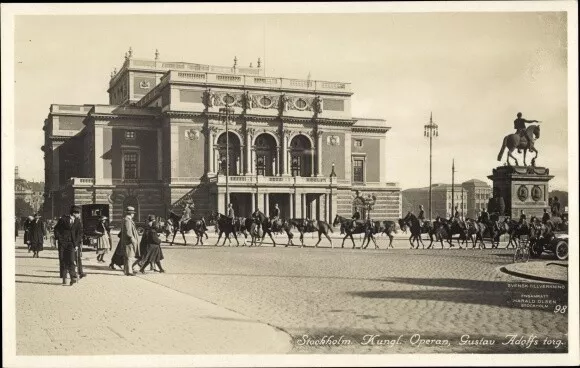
x,y
474,71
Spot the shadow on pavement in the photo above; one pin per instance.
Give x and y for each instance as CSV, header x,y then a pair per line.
x,y
470,292
38,283
43,277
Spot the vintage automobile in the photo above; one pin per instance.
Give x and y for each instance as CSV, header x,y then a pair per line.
x,y
558,245
90,214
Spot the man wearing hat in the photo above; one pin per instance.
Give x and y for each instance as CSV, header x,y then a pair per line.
x,y
231,214
130,240
68,231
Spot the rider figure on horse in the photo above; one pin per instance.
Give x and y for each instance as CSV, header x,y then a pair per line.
x,y
231,214
275,215
255,218
355,218
421,216
187,212
520,127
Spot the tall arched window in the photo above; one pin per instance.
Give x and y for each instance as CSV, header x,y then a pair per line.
x,y
234,154
300,156
265,146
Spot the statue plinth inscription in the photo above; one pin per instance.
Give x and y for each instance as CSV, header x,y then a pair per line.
x,y
521,188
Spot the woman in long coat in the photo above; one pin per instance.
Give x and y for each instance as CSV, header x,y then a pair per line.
x,y
154,254
103,240
118,258
37,235
26,226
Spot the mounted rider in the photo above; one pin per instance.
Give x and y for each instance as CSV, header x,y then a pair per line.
x,y
520,127
231,214
187,212
275,215
421,216
255,218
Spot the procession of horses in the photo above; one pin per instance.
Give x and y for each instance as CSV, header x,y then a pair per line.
x,y
256,227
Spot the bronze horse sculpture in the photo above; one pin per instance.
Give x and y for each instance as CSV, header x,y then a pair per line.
x,y
525,142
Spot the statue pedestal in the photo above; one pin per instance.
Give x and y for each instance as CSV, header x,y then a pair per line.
x,y
522,188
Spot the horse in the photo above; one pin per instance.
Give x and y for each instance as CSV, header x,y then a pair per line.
x,y
197,226
255,233
477,229
268,226
355,227
224,225
387,228
445,229
513,141
413,224
310,226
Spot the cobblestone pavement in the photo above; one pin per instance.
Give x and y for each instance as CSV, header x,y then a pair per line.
x,y
409,295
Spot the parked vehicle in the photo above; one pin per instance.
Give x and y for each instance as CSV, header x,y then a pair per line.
x,y
558,245
90,214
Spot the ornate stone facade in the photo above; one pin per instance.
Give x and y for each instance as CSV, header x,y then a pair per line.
x,y
279,142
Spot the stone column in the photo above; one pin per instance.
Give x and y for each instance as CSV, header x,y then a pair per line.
x,y
267,204
249,134
311,163
210,136
98,154
291,205
241,169
253,205
221,206
319,152
278,159
304,207
327,208
260,201
174,131
297,197
285,152
215,162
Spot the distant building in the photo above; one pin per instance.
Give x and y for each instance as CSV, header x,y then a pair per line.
x,y
478,194
441,200
27,195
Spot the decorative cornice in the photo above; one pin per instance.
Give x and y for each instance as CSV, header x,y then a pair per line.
x,y
184,114
370,129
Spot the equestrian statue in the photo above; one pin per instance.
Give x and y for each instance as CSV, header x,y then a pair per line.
x,y
522,139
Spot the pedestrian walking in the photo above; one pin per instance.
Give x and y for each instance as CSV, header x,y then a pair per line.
x,y
16,228
154,253
68,232
103,240
36,235
130,240
27,224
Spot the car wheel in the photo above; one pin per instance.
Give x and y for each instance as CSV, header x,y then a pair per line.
x,y
562,250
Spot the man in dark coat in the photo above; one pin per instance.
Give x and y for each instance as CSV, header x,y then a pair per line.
x,y
545,216
68,231
36,235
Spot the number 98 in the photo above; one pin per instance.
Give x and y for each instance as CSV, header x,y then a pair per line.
x,y
560,309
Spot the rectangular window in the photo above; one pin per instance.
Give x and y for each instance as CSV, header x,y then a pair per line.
x,y
130,162
129,135
358,171
358,143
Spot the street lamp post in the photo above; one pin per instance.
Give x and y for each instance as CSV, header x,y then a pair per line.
x,y
431,130
226,112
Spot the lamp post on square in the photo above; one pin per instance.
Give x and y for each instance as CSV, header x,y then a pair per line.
x,y
431,130
226,113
